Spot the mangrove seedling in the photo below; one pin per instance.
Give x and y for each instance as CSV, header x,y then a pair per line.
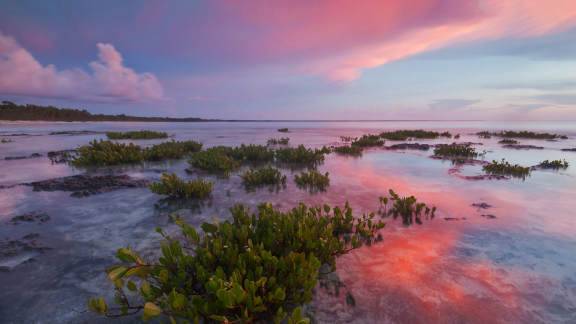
x,y
347,139
349,150
522,134
508,141
504,168
255,268
175,187
143,134
283,130
555,164
171,150
263,176
281,141
251,153
455,152
301,155
214,159
313,180
402,135
368,141
407,208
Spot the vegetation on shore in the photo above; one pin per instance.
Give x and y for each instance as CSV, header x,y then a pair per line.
x,y
142,134
402,135
107,153
455,151
521,134
6,140
313,180
12,111
214,159
283,130
175,187
504,168
280,141
301,155
554,164
368,140
239,270
407,208
263,176
508,141
349,150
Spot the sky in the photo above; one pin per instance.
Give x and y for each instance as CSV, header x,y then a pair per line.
x,y
294,59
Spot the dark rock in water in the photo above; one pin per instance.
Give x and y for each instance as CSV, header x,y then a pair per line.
x,y
63,156
569,149
39,217
482,205
33,155
350,299
409,146
523,147
15,252
489,216
82,132
454,218
486,177
85,185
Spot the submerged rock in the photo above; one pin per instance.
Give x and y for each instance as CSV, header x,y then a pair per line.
x,y
482,205
485,177
489,216
454,218
86,185
63,156
33,155
39,217
82,132
16,252
569,149
409,146
523,147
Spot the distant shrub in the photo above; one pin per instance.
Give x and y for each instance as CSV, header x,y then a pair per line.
x,y
143,134
555,164
504,168
251,153
402,135
215,159
283,130
522,134
347,139
368,140
455,151
348,150
175,187
255,268
457,136
281,141
301,155
508,141
263,176
484,134
6,140
407,208
313,180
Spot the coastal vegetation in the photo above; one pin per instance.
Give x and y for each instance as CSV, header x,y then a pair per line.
x,y
283,130
402,135
368,140
6,140
263,176
143,134
301,155
313,180
239,270
280,141
455,151
407,208
508,141
554,164
214,159
349,150
505,168
175,187
347,139
521,134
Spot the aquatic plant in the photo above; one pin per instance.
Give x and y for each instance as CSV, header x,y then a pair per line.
x,y
142,134
348,150
175,187
263,176
457,136
171,150
281,141
105,153
251,153
408,208
301,155
484,134
402,135
522,134
455,151
256,268
347,139
6,140
368,141
508,141
313,180
504,168
555,164
215,159
283,130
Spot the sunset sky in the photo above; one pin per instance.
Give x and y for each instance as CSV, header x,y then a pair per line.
x,y
289,59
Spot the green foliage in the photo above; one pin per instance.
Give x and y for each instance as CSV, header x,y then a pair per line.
x,y
349,150
347,139
555,164
263,176
402,135
455,151
313,180
521,134
504,168
143,134
301,155
106,153
255,268
281,141
457,136
368,140
508,141
6,140
283,130
408,208
251,153
175,187
215,159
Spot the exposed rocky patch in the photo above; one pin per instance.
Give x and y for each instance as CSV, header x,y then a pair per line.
x,y
31,217
569,149
523,147
485,177
85,185
488,216
409,146
82,132
31,156
481,205
454,218
16,251
63,156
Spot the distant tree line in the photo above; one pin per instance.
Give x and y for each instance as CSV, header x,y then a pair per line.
x,y
12,111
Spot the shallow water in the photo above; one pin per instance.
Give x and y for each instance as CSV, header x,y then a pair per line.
x,y
519,267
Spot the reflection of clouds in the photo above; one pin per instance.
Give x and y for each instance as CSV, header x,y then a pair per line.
x,y
10,200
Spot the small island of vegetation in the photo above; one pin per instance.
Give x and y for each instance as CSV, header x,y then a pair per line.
x,y
143,134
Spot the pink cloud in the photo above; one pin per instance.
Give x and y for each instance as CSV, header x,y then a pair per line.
x,y
22,74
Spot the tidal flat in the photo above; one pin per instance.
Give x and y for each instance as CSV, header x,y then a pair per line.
x,y
497,251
